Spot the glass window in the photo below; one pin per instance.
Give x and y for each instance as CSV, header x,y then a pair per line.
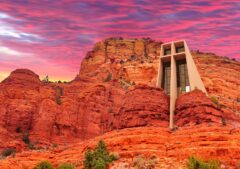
x,y
180,49
166,78
182,77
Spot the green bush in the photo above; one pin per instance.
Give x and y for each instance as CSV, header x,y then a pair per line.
x,y
99,158
213,164
8,151
214,100
44,165
65,166
194,163
18,130
55,145
31,146
108,78
26,139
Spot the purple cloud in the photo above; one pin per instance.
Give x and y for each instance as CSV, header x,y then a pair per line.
x,y
58,34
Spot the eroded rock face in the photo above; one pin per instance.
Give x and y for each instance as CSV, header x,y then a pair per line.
x,y
132,60
136,61
115,90
22,77
220,76
171,148
142,106
196,108
86,110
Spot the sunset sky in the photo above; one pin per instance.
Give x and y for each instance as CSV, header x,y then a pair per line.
x,y
51,37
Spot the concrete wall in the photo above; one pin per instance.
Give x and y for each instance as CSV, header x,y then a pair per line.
x,y
194,77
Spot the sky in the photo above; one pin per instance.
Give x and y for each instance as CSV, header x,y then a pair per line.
x,y
51,37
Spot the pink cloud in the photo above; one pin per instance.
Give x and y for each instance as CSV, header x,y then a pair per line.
x,y
59,33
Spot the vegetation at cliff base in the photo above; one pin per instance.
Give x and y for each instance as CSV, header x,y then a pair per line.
x,y
99,158
44,165
65,166
108,78
26,139
140,162
195,163
59,93
8,151
214,100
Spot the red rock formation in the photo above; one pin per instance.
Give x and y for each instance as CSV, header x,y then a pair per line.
x,y
171,148
221,78
196,108
107,95
33,109
137,61
22,77
129,59
142,106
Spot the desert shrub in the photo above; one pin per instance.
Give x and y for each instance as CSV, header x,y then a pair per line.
x,y
224,123
99,158
151,162
194,163
108,78
26,139
8,151
58,100
132,57
121,62
38,148
18,129
125,84
110,110
44,165
46,79
214,100
213,164
59,93
31,146
55,145
65,166
140,162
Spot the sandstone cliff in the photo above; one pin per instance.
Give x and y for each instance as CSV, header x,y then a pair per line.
x,y
114,91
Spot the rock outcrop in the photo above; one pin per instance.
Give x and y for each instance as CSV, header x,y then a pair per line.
x,y
114,98
142,106
67,113
196,108
132,60
220,76
170,148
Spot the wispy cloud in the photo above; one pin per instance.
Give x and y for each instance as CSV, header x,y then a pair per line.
x,y
7,51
